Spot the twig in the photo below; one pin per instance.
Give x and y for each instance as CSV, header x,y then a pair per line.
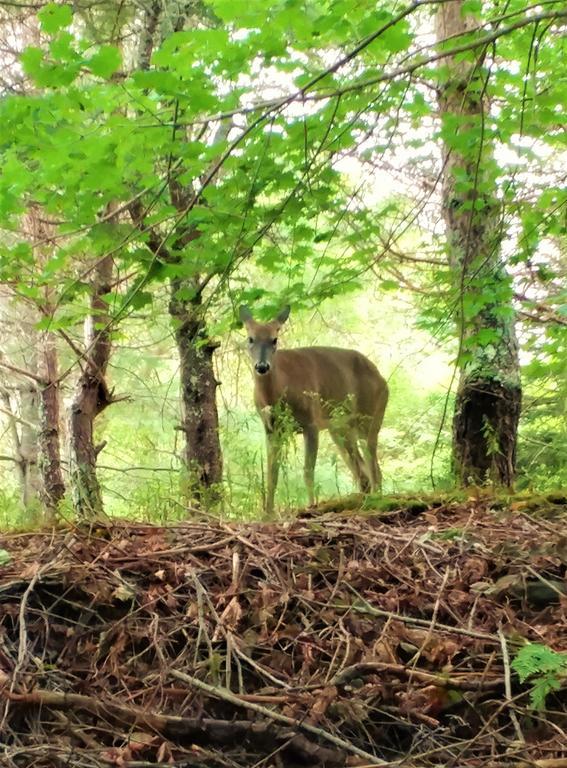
x,y
203,595
23,372
431,627
543,580
18,419
458,683
508,685
365,607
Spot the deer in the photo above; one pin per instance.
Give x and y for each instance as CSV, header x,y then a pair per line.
x,y
330,388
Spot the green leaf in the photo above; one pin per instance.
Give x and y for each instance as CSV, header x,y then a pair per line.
x,y
48,74
534,658
5,557
543,686
397,38
54,17
31,61
544,664
483,337
472,8
140,299
30,291
105,62
22,252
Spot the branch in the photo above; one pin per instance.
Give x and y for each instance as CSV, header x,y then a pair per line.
x,y
18,419
226,695
194,729
23,372
538,319
272,105
539,306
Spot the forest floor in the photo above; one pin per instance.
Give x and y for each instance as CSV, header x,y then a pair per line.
x,y
383,636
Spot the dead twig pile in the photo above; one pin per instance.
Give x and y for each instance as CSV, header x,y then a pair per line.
x,y
328,641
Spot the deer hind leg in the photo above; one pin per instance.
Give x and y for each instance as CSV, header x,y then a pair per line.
x,y
311,440
346,442
370,442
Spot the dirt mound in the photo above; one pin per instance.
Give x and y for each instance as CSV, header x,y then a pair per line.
x,y
362,640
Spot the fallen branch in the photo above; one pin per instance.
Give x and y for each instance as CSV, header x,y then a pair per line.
x,y
192,729
225,695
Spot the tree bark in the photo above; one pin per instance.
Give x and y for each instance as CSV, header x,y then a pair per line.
x,y
488,399
49,439
202,454
19,395
28,451
91,398
23,426
200,422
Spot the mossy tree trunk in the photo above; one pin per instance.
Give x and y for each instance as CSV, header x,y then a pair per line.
x,y
488,399
202,455
200,421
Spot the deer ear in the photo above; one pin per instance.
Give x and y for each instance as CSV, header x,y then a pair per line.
x,y
283,315
244,314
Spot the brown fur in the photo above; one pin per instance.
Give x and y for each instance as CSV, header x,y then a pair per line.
x,y
323,388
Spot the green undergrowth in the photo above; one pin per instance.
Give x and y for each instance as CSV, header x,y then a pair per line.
x,y
553,504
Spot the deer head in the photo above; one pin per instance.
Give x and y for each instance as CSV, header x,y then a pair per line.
x,y
262,338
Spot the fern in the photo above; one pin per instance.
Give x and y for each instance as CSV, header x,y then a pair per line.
x,y
545,665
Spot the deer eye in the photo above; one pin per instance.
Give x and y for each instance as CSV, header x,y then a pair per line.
x,y
250,340
274,342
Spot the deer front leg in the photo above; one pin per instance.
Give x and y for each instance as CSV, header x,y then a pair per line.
x,y
311,440
274,446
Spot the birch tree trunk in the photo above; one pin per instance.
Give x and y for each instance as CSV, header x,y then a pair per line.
x,y
488,400
23,427
91,398
28,447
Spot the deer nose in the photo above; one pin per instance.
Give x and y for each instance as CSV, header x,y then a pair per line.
x,y
262,367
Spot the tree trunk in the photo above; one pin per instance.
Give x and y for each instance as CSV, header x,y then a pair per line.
x,y
488,400
91,398
23,420
28,451
202,454
49,441
200,421
19,393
